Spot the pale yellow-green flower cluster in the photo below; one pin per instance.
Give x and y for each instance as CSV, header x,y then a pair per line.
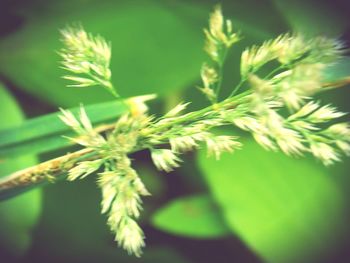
x,y
277,108
87,57
289,49
304,130
219,35
290,89
121,186
121,200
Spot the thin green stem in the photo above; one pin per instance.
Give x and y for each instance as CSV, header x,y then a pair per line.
x,y
57,168
48,171
236,89
107,84
221,64
195,115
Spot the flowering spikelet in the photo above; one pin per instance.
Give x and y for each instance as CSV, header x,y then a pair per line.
x,y
130,236
218,144
324,114
87,57
262,87
176,110
183,144
343,146
69,119
209,77
252,59
248,123
83,169
219,34
87,136
165,159
325,50
339,130
308,108
290,142
303,81
324,152
189,140
290,49
121,199
340,133
255,57
265,141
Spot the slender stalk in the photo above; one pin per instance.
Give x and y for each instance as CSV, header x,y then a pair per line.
x,y
195,115
48,171
57,168
236,89
220,72
105,84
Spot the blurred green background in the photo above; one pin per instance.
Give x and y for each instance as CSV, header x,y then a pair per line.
x,y
252,206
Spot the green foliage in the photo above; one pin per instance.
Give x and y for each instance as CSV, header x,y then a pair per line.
x,y
151,43
18,215
285,209
192,216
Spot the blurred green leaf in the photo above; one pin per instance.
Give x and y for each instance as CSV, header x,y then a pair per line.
x,y
151,47
194,216
18,215
45,133
285,209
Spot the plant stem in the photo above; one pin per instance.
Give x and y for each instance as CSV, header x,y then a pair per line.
x,y
57,168
48,171
195,115
236,89
220,72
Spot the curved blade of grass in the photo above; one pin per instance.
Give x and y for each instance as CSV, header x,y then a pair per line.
x,y
45,133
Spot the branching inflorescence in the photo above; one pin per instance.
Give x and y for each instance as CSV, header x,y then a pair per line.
x,y
278,109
